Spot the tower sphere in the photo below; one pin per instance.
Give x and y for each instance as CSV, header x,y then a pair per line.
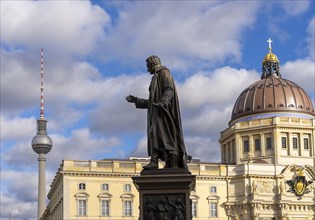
x,y
41,144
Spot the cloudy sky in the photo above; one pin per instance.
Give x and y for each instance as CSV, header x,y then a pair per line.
x,y
95,55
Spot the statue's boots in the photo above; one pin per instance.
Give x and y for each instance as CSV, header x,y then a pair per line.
x,y
173,161
167,161
154,162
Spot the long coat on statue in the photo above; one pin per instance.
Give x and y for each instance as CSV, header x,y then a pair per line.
x,y
164,129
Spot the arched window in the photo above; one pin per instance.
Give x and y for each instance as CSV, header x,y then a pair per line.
x,y
213,189
127,188
81,186
105,187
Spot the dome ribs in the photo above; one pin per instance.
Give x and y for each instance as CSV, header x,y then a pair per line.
x,y
272,95
291,86
254,97
235,109
300,90
284,92
273,92
245,100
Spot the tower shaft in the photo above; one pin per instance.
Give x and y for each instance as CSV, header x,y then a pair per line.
x,y
41,185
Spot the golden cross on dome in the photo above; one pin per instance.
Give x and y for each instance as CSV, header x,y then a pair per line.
x,y
269,41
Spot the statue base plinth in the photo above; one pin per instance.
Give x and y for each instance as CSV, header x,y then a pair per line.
x,y
164,193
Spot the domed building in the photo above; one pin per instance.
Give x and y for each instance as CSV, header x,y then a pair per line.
x,y
266,170
269,149
272,122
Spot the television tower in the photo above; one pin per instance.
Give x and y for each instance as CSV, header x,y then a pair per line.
x,y
41,144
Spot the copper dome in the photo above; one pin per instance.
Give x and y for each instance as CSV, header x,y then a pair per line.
x,y
271,94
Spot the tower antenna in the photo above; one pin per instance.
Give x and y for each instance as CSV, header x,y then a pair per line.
x,y
42,83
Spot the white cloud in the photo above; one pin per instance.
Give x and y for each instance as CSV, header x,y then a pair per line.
x,y
79,145
120,116
18,80
205,149
208,98
82,145
22,185
19,197
217,88
301,72
196,31
71,26
17,128
141,149
13,208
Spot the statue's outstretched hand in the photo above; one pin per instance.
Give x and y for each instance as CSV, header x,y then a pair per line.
x,y
131,98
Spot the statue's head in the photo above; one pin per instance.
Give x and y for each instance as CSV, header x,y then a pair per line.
x,y
178,201
153,62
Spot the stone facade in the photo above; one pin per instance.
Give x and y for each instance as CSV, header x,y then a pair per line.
x,y
242,191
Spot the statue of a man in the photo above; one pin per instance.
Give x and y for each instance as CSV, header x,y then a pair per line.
x,y
164,127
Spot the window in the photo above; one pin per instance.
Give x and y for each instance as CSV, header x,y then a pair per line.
x,y
104,199
194,209
82,207
105,187
213,189
257,144
82,201
246,146
213,209
105,207
127,200
284,142
269,143
213,201
81,186
127,208
306,147
295,142
127,188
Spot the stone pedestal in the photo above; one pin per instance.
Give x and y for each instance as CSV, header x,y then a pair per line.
x,y
164,194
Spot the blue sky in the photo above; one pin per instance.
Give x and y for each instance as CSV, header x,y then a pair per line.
x,y
95,56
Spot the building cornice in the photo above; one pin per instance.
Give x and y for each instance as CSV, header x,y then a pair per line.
x,y
99,174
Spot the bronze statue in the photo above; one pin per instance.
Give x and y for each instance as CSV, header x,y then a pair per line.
x,y
164,127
